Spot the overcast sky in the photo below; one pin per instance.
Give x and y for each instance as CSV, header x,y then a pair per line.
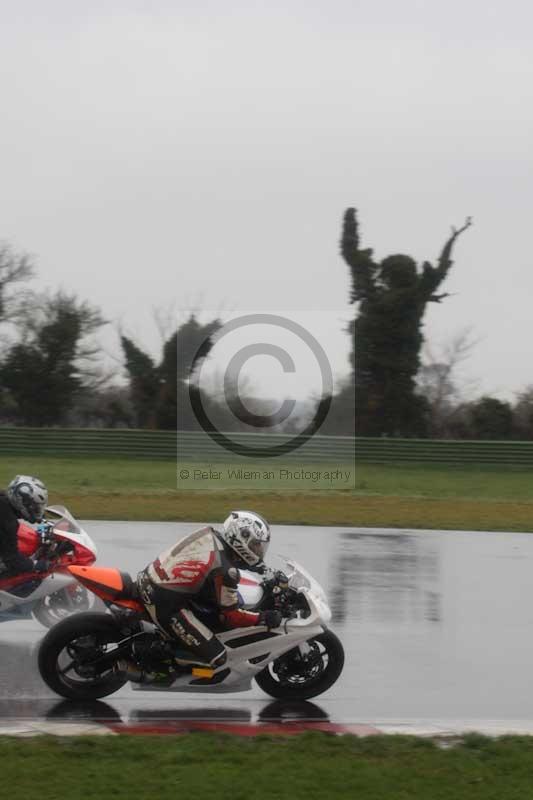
x,y
203,154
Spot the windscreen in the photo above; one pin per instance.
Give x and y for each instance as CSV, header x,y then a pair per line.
x,y
62,520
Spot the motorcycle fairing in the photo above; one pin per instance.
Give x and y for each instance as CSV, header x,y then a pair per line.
x,y
252,637
109,584
25,587
19,593
22,612
14,584
23,583
28,539
247,650
11,598
68,529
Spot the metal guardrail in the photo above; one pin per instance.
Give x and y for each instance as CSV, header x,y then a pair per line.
x,y
316,449
88,442
453,452
199,447
166,445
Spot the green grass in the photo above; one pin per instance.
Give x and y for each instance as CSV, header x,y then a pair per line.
x,y
432,481
85,475
314,766
268,476
101,475
97,488
131,476
407,496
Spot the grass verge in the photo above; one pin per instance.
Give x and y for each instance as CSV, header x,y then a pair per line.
x,y
95,488
312,765
292,509
447,514
406,496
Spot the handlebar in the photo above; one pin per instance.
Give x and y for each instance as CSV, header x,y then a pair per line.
x,y
280,596
63,548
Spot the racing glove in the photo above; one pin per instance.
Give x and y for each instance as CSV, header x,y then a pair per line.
x,y
270,618
275,577
41,565
281,580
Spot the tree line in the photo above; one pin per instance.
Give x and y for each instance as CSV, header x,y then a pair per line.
x,y
52,373
52,370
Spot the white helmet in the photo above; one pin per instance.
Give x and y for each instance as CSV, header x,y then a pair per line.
x,y
248,534
28,496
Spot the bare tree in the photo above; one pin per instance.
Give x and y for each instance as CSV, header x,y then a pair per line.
x,y
438,380
165,319
14,268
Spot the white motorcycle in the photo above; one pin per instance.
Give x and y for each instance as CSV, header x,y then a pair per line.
x,y
82,658
53,594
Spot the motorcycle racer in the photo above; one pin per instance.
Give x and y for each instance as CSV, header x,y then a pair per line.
x,y
25,498
203,569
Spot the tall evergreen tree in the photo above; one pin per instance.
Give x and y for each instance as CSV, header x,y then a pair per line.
x,y
48,366
159,392
194,342
491,418
392,297
340,420
144,383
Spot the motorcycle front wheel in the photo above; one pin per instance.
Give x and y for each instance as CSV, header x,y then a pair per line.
x,y
62,604
67,651
305,671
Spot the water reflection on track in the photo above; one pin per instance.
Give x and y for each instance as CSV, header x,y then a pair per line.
x,y
435,625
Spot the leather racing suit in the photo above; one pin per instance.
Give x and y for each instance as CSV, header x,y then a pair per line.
x,y
200,568
15,562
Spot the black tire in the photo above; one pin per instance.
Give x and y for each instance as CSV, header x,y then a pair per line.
x,y
58,606
304,688
97,630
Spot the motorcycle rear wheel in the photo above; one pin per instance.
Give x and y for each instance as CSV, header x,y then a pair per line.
x,y
66,650
296,677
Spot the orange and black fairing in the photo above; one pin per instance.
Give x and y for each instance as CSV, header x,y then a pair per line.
x,y
109,584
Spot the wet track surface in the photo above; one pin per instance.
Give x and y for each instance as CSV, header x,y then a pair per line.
x,y
436,625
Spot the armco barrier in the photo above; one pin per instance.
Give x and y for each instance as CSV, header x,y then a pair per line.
x,y
164,445
88,442
443,451
197,446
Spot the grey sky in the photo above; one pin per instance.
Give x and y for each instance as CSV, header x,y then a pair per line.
x,y
204,153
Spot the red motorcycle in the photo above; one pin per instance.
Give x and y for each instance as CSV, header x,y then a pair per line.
x,y
52,595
